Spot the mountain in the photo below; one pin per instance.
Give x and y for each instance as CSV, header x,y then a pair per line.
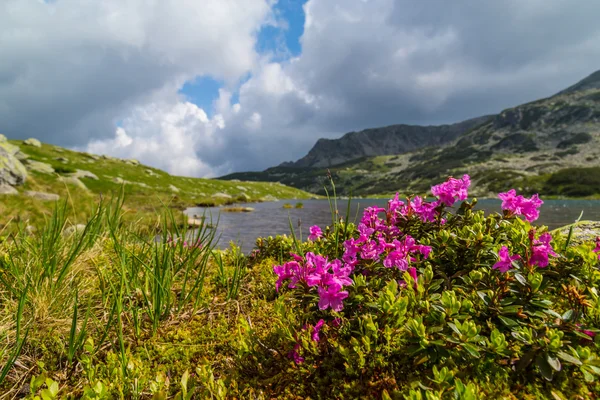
x,y
550,146
389,140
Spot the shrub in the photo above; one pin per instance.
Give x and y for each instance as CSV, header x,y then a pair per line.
x,y
423,303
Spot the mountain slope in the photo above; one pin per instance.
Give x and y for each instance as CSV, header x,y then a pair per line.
x,y
531,146
394,139
51,172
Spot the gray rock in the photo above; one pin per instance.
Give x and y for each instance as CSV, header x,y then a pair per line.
x,y
118,180
174,188
32,142
58,149
42,195
8,190
142,184
3,138
73,181
12,171
39,166
583,231
69,230
221,196
270,198
62,159
93,156
132,162
151,173
81,173
242,188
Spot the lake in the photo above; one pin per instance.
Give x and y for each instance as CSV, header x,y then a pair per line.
x,y
270,218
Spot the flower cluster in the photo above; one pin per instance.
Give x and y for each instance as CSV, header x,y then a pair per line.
x,y
315,233
519,205
597,249
316,271
538,253
452,190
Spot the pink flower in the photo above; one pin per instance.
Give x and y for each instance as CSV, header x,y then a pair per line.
x,y
452,190
315,233
540,250
518,205
294,355
506,260
331,297
597,249
316,329
412,271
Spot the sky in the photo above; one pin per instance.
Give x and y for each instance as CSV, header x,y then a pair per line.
x,y
208,87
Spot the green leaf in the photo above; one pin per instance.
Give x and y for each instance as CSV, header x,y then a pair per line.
x,y
525,360
471,349
522,280
454,328
567,315
511,323
568,358
554,362
545,368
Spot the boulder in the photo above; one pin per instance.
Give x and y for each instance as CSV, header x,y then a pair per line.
x,y
32,142
118,180
12,171
63,160
270,198
8,190
3,138
58,149
39,166
81,173
21,156
151,173
93,156
42,195
174,188
73,181
132,162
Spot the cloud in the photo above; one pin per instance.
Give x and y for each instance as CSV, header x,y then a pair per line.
x,y
364,63
71,68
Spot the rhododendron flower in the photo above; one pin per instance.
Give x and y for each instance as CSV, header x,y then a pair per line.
x,y
412,271
506,260
294,355
452,190
518,205
425,211
331,297
597,249
315,233
540,250
316,329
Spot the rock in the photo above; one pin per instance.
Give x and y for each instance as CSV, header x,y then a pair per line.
x,y
118,180
270,198
73,181
81,173
42,195
21,156
12,172
8,190
93,156
105,157
174,188
151,173
583,231
142,184
221,196
3,138
74,229
242,188
62,159
195,222
243,197
58,149
32,142
132,161
39,166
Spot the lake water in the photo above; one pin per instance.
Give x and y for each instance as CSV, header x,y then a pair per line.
x,y
270,218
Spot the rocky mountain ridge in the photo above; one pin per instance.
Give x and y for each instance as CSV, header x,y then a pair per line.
x,y
531,146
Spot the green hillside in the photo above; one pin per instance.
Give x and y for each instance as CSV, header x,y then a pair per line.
x,y
82,178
